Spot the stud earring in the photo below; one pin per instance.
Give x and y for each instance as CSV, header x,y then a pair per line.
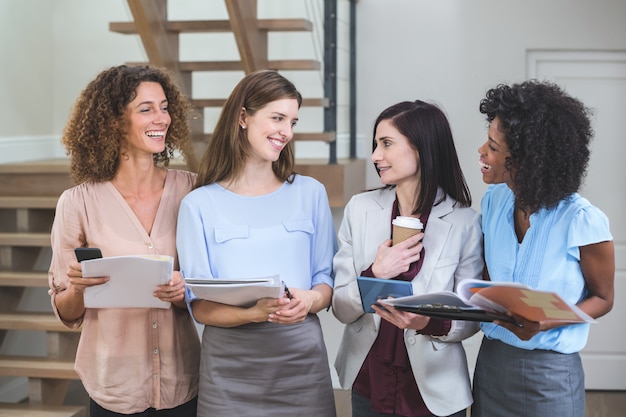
x,y
243,127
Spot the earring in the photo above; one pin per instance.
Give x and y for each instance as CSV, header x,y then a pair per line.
x,y
243,127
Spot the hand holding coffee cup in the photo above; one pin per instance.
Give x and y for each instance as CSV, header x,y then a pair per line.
x,y
404,227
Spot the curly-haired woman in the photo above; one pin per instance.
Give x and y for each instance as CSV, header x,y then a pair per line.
x,y
132,361
539,231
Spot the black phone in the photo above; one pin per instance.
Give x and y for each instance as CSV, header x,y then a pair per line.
x,y
84,254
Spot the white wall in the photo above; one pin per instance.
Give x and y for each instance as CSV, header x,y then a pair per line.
x,y
452,51
25,48
51,50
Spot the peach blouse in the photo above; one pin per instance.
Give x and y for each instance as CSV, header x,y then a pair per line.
x,y
129,359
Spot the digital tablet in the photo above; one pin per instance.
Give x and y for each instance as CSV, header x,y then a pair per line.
x,y
372,289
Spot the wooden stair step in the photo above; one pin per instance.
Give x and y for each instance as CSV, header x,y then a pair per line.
x,y
37,367
219,102
25,239
46,202
342,180
36,178
278,65
41,410
208,26
327,137
32,321
316,137
23,279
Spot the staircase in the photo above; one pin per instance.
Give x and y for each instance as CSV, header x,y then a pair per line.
x,y
28,195
44,369
161,39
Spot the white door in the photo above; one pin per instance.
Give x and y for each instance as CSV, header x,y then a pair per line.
x,y
598,79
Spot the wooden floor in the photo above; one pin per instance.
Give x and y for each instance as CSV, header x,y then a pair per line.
x,y
599,404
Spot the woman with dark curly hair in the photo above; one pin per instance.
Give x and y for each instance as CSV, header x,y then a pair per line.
x,y
540,232
132,361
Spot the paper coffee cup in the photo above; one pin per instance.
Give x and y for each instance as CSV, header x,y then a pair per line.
x,y
404,227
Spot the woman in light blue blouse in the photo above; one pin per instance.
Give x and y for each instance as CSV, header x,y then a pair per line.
x,y
539,231
251,216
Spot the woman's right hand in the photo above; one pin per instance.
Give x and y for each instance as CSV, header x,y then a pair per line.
x,y
392,261
265,308
78,283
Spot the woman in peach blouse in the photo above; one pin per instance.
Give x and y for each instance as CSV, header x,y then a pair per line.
x,y
132,361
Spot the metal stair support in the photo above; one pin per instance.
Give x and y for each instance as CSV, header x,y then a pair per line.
x,y
330,73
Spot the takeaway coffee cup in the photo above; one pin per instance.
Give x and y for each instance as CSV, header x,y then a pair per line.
x,y
404,227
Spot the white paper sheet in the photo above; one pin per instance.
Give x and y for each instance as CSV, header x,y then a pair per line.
x,y
133,280
242,292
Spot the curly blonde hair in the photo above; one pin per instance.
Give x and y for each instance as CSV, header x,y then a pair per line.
x,y
95,135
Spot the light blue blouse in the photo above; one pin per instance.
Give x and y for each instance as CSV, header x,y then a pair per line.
x,y
289,232
548,258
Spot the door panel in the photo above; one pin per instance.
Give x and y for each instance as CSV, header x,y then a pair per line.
x,y
599,80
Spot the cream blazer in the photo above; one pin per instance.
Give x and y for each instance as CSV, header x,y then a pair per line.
x,y
453,252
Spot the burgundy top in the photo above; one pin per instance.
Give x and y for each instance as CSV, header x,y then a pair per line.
x,y
386,377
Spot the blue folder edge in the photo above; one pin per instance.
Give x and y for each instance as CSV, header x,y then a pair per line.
x,y
372,289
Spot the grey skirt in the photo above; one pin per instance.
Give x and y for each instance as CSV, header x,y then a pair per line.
x,y
516,382
265,369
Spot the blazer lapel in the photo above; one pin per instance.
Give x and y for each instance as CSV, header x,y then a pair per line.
x,y
435,237
377,223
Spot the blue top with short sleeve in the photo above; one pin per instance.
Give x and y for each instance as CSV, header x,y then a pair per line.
x,y
547,259
289,232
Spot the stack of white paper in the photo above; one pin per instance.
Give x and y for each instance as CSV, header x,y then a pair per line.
x,y
241,292
133,280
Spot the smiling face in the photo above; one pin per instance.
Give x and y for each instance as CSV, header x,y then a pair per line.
x,y
397,161
270,128
493,156
148,119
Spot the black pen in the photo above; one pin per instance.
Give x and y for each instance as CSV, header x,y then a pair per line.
x,y
287,291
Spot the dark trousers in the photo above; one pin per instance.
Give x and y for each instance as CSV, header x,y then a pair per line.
x,y
187,409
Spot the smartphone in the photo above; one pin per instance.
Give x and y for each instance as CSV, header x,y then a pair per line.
x,y
84,254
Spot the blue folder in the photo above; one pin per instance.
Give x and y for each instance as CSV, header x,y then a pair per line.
x,y
372,289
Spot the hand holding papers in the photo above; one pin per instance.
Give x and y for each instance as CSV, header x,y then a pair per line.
x,y
487,301
133,280
241,292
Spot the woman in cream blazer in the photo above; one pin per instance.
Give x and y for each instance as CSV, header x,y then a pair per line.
x,y
452,251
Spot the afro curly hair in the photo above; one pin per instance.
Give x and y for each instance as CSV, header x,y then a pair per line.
x,y
548,134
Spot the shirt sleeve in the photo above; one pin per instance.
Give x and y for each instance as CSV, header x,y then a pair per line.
x,y
590,225
347,305
66,234
191,245
324,244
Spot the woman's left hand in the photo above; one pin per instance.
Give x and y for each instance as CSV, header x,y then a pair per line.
x,y
294,312
173,291
522,328
401,319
